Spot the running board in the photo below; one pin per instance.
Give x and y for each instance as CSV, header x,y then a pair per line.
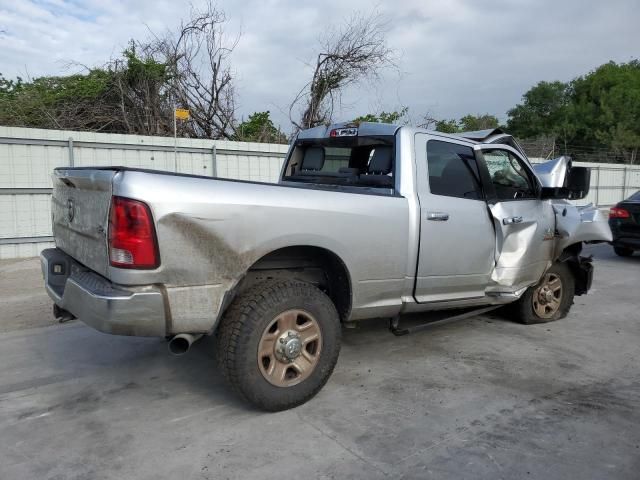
x,y
394,324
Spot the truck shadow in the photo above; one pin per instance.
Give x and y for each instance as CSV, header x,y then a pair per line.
x,y
116,369
437,323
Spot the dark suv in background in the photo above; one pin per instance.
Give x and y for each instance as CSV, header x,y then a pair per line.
x,y
624,220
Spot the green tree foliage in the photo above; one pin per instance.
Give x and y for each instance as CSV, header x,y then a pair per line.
x,y
138,91
543,111
605,108
599,111
468,123
54,102
259,128
447,126
394,117
130,95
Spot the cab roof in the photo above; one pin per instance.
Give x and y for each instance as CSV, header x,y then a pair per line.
x,y
365,129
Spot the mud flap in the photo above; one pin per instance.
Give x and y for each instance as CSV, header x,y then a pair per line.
x,y
582,270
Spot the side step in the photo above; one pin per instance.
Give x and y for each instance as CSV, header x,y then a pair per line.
x,y
394,324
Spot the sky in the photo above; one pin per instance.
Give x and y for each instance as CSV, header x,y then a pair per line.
x,y
452,57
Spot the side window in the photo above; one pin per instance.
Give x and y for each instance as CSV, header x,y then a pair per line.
x,y
509,177
453,171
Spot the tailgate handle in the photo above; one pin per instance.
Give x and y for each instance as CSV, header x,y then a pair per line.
x,y
511,220
438,216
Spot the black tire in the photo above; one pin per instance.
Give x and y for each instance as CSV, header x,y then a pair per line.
x,y
241,330
623,251
523,310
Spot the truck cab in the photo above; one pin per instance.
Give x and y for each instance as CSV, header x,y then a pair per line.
x,y
483,224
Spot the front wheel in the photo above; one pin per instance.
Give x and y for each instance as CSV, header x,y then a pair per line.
x,y
278,343
549,300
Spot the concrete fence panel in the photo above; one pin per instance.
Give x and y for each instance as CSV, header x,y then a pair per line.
x,y
28,156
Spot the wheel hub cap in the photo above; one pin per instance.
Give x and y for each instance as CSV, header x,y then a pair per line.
x,y
548,296
289,346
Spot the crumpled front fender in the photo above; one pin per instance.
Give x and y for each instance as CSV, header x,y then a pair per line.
x,y
580,224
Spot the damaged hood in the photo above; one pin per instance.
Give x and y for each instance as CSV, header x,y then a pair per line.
x,y
552,174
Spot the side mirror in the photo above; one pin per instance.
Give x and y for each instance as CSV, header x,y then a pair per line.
x,y
578,182
576,185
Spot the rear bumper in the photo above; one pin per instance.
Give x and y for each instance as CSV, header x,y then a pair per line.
x,y
627,242
628,237
100,304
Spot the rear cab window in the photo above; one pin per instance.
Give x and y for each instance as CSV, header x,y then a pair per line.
x,y
364,163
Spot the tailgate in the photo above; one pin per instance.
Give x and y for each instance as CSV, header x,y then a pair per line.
x,y
80,210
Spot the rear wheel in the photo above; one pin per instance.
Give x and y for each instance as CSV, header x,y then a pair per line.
x,y
623,251
278,343
549,300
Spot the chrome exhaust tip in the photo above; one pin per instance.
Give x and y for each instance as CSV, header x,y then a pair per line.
x,y
62,315
181,343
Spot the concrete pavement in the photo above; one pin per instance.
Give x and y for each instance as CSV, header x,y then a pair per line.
x,y
480,398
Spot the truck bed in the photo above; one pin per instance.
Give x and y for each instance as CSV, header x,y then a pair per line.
x,y
210,231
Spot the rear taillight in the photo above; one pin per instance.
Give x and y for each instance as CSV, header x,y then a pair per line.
x,y
617,212
132,238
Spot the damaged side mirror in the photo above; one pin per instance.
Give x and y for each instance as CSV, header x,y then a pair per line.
x,y
561,180
575,186
578,182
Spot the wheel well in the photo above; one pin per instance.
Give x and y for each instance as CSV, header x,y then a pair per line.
x,y
571,251
314,265
580,267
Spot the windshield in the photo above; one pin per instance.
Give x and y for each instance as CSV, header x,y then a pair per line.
x,y
353,161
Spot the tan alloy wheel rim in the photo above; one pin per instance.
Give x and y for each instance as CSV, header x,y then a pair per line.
x,y
548,296
289,348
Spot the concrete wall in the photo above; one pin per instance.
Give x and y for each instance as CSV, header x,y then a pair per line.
x,y
27,157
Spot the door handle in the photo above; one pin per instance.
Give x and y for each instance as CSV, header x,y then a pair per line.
x,y
511,220
438,216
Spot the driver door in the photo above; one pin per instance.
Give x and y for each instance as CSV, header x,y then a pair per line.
x,y
524,224
457,241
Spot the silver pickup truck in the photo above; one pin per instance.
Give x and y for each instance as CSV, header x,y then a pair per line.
x,y
367,220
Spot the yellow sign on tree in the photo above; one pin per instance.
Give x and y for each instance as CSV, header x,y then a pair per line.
x,y
182,114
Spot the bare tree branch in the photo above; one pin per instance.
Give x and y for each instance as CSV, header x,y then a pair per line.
x,y
355,52
427,121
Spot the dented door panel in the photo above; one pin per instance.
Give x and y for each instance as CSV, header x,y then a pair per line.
x,y
524,243
524,224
